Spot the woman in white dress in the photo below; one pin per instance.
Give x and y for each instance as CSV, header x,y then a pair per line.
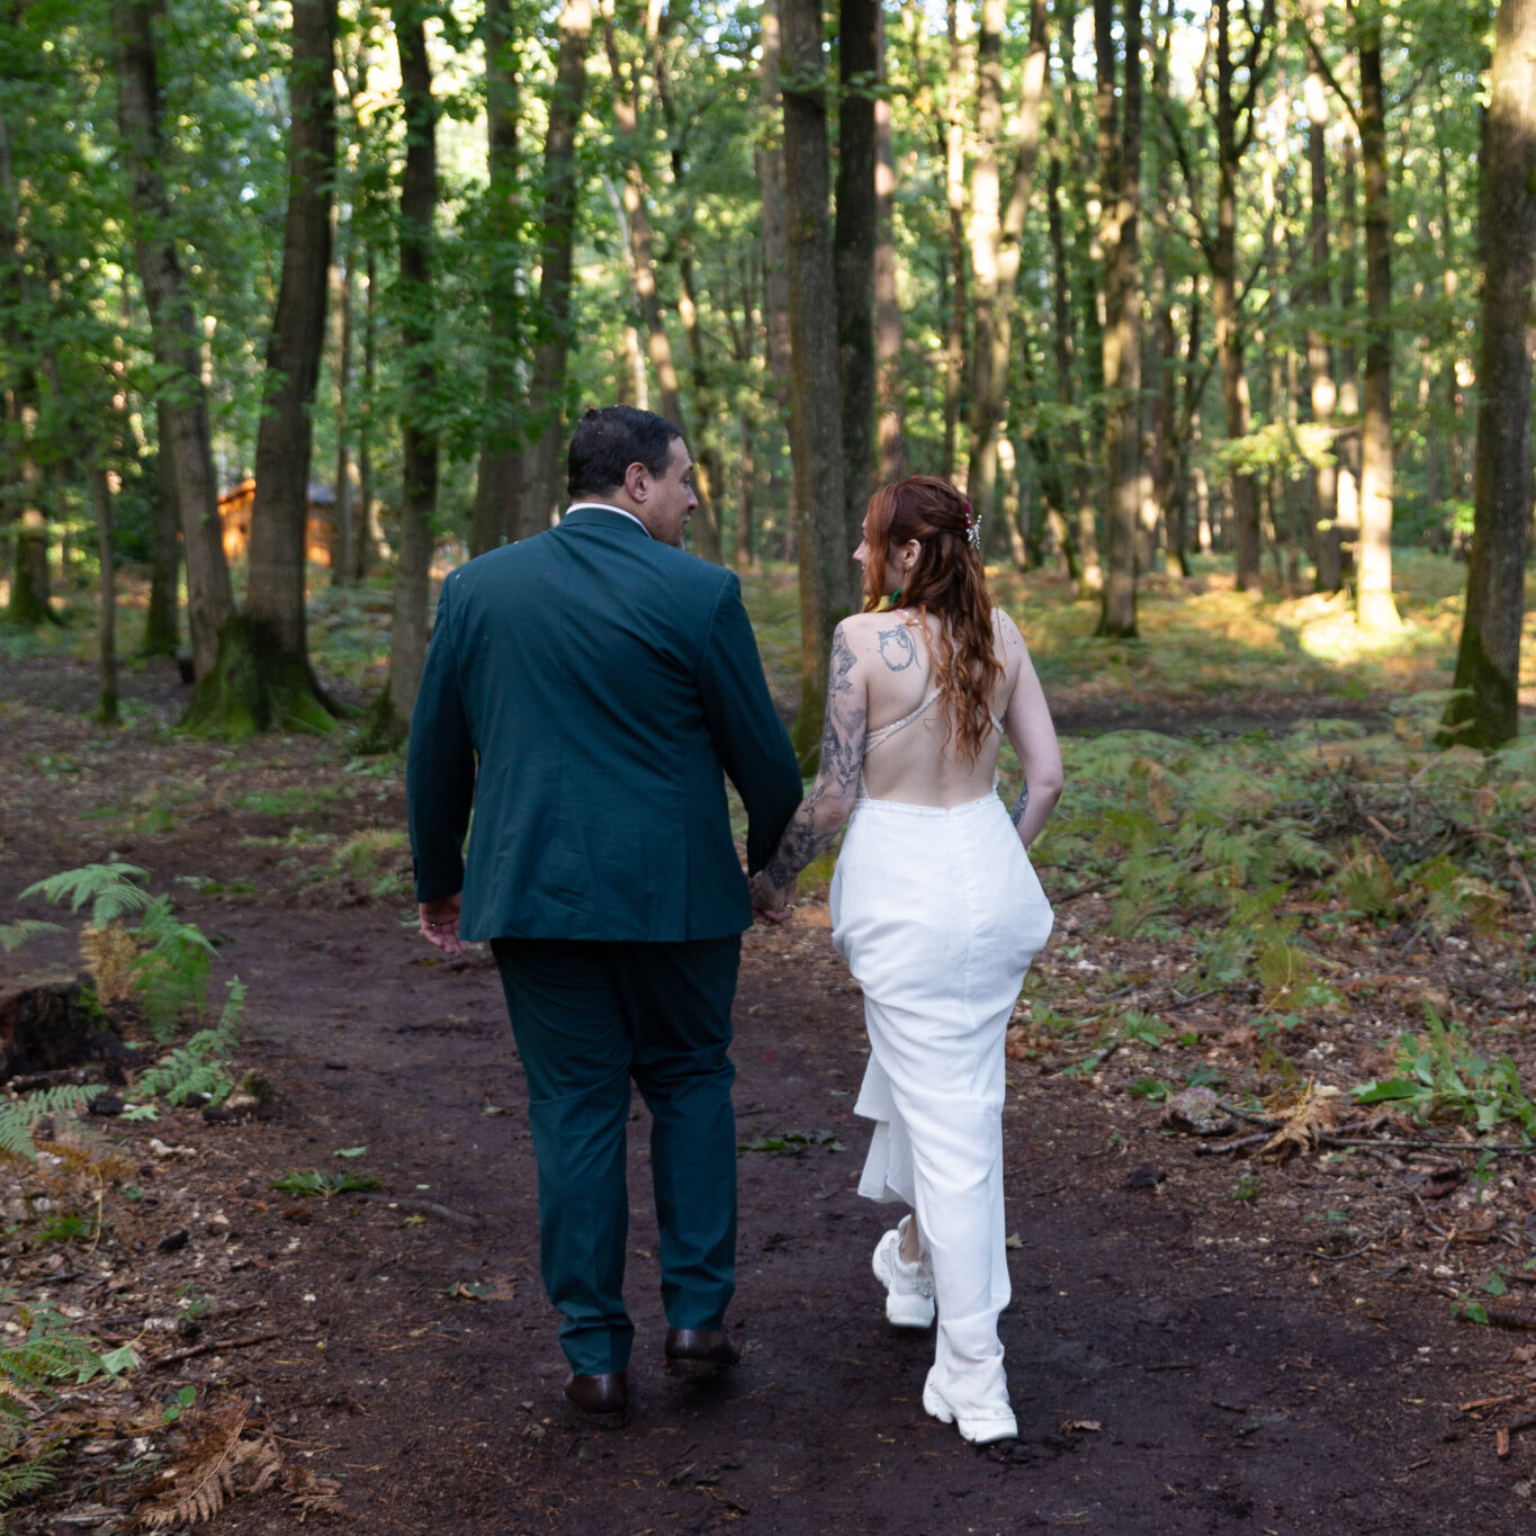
x,y
937,911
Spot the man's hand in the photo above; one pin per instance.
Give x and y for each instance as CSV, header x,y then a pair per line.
x,y
440,924
770,905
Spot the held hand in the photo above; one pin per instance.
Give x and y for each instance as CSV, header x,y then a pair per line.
x,y
770,905
440,924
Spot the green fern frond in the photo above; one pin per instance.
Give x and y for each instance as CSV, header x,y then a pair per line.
x,y
18,1120
201,1065
172,969
19,1478
110,889
14,935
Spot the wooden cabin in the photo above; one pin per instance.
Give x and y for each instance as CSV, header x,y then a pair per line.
x,y
319,526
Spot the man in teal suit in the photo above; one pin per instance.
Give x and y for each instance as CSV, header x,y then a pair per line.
x,y
588,691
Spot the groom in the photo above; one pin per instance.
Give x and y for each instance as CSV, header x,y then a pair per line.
x,y
584,691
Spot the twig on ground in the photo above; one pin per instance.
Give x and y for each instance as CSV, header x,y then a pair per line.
x,y
424,1207
1213,1149
213,1347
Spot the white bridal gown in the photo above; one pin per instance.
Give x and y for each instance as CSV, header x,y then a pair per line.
x,y
938,913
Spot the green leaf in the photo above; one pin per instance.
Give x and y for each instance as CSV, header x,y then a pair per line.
x,y
116,1361
1388,1090
351,1151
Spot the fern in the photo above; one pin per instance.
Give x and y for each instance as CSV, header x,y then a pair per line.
x,y
110,889
19,1479
50,1352
201,1066
19,1119
14,935
172,971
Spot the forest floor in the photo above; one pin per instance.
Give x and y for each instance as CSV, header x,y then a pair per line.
x,y
1200,1340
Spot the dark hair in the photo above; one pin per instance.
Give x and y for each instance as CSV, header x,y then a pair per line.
x,y
948,580
608,441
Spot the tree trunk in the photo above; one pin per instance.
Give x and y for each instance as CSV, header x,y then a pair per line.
x,y
174,330
1325,482
891,396
557,222
954,181
709,473
418,437
853,252
161,627
996,234
262,678
1079,541
826,584
1120,179
499,481
344,556
367,529
1488,659
1375,610
1348,440
770,180
106,628
1229,342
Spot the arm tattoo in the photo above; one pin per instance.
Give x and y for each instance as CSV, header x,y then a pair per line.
x,y
842,757
1016,815
896,648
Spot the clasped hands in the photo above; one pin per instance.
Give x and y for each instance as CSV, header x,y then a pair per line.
x,y
770,905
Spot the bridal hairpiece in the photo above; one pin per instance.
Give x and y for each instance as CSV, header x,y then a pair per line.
x,y
972,529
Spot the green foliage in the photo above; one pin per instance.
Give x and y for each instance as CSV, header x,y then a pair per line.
x,y
48,1353
14,935
201,1066
792,1142
310,1181
171,972
19,1119
110,888
1439,1073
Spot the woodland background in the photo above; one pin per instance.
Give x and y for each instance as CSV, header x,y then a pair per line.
x,y
1169,289
1222,314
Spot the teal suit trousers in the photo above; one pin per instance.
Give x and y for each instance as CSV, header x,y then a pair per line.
x,y
589,1017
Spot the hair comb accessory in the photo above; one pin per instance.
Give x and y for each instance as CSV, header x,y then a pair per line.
x,y
972,529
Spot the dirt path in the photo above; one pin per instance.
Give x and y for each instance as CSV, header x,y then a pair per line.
x,y
1180,1362
1178,1365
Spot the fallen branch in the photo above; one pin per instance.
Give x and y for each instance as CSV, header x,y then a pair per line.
x,y
424,1207
214,1347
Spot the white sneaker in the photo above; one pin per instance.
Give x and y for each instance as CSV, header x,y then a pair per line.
x,y
908,1287
979,1425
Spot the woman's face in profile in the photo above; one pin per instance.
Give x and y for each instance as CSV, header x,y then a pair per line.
x,y
898,562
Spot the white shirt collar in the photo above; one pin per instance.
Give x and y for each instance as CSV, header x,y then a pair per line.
x,y
604,506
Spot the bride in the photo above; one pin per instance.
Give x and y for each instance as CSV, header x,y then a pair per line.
x,y
936,910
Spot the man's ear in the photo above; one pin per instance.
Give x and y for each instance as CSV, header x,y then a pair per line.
x,y
637,481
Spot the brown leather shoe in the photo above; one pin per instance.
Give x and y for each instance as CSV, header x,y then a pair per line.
x,y
700,1351
604,1399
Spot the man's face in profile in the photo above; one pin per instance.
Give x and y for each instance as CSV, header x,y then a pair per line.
x,y
671,501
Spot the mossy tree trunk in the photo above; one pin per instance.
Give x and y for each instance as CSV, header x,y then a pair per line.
x,y
1488,661
272,635
185,443
419,445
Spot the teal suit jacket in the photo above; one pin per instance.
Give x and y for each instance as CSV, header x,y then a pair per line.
x,y
584,690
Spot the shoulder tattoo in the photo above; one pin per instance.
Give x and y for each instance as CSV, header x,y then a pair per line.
x,y
896,648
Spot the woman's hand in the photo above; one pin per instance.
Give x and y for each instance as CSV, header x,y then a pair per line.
x,y
770,905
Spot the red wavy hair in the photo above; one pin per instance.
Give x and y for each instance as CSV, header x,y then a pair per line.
x,y
949,582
